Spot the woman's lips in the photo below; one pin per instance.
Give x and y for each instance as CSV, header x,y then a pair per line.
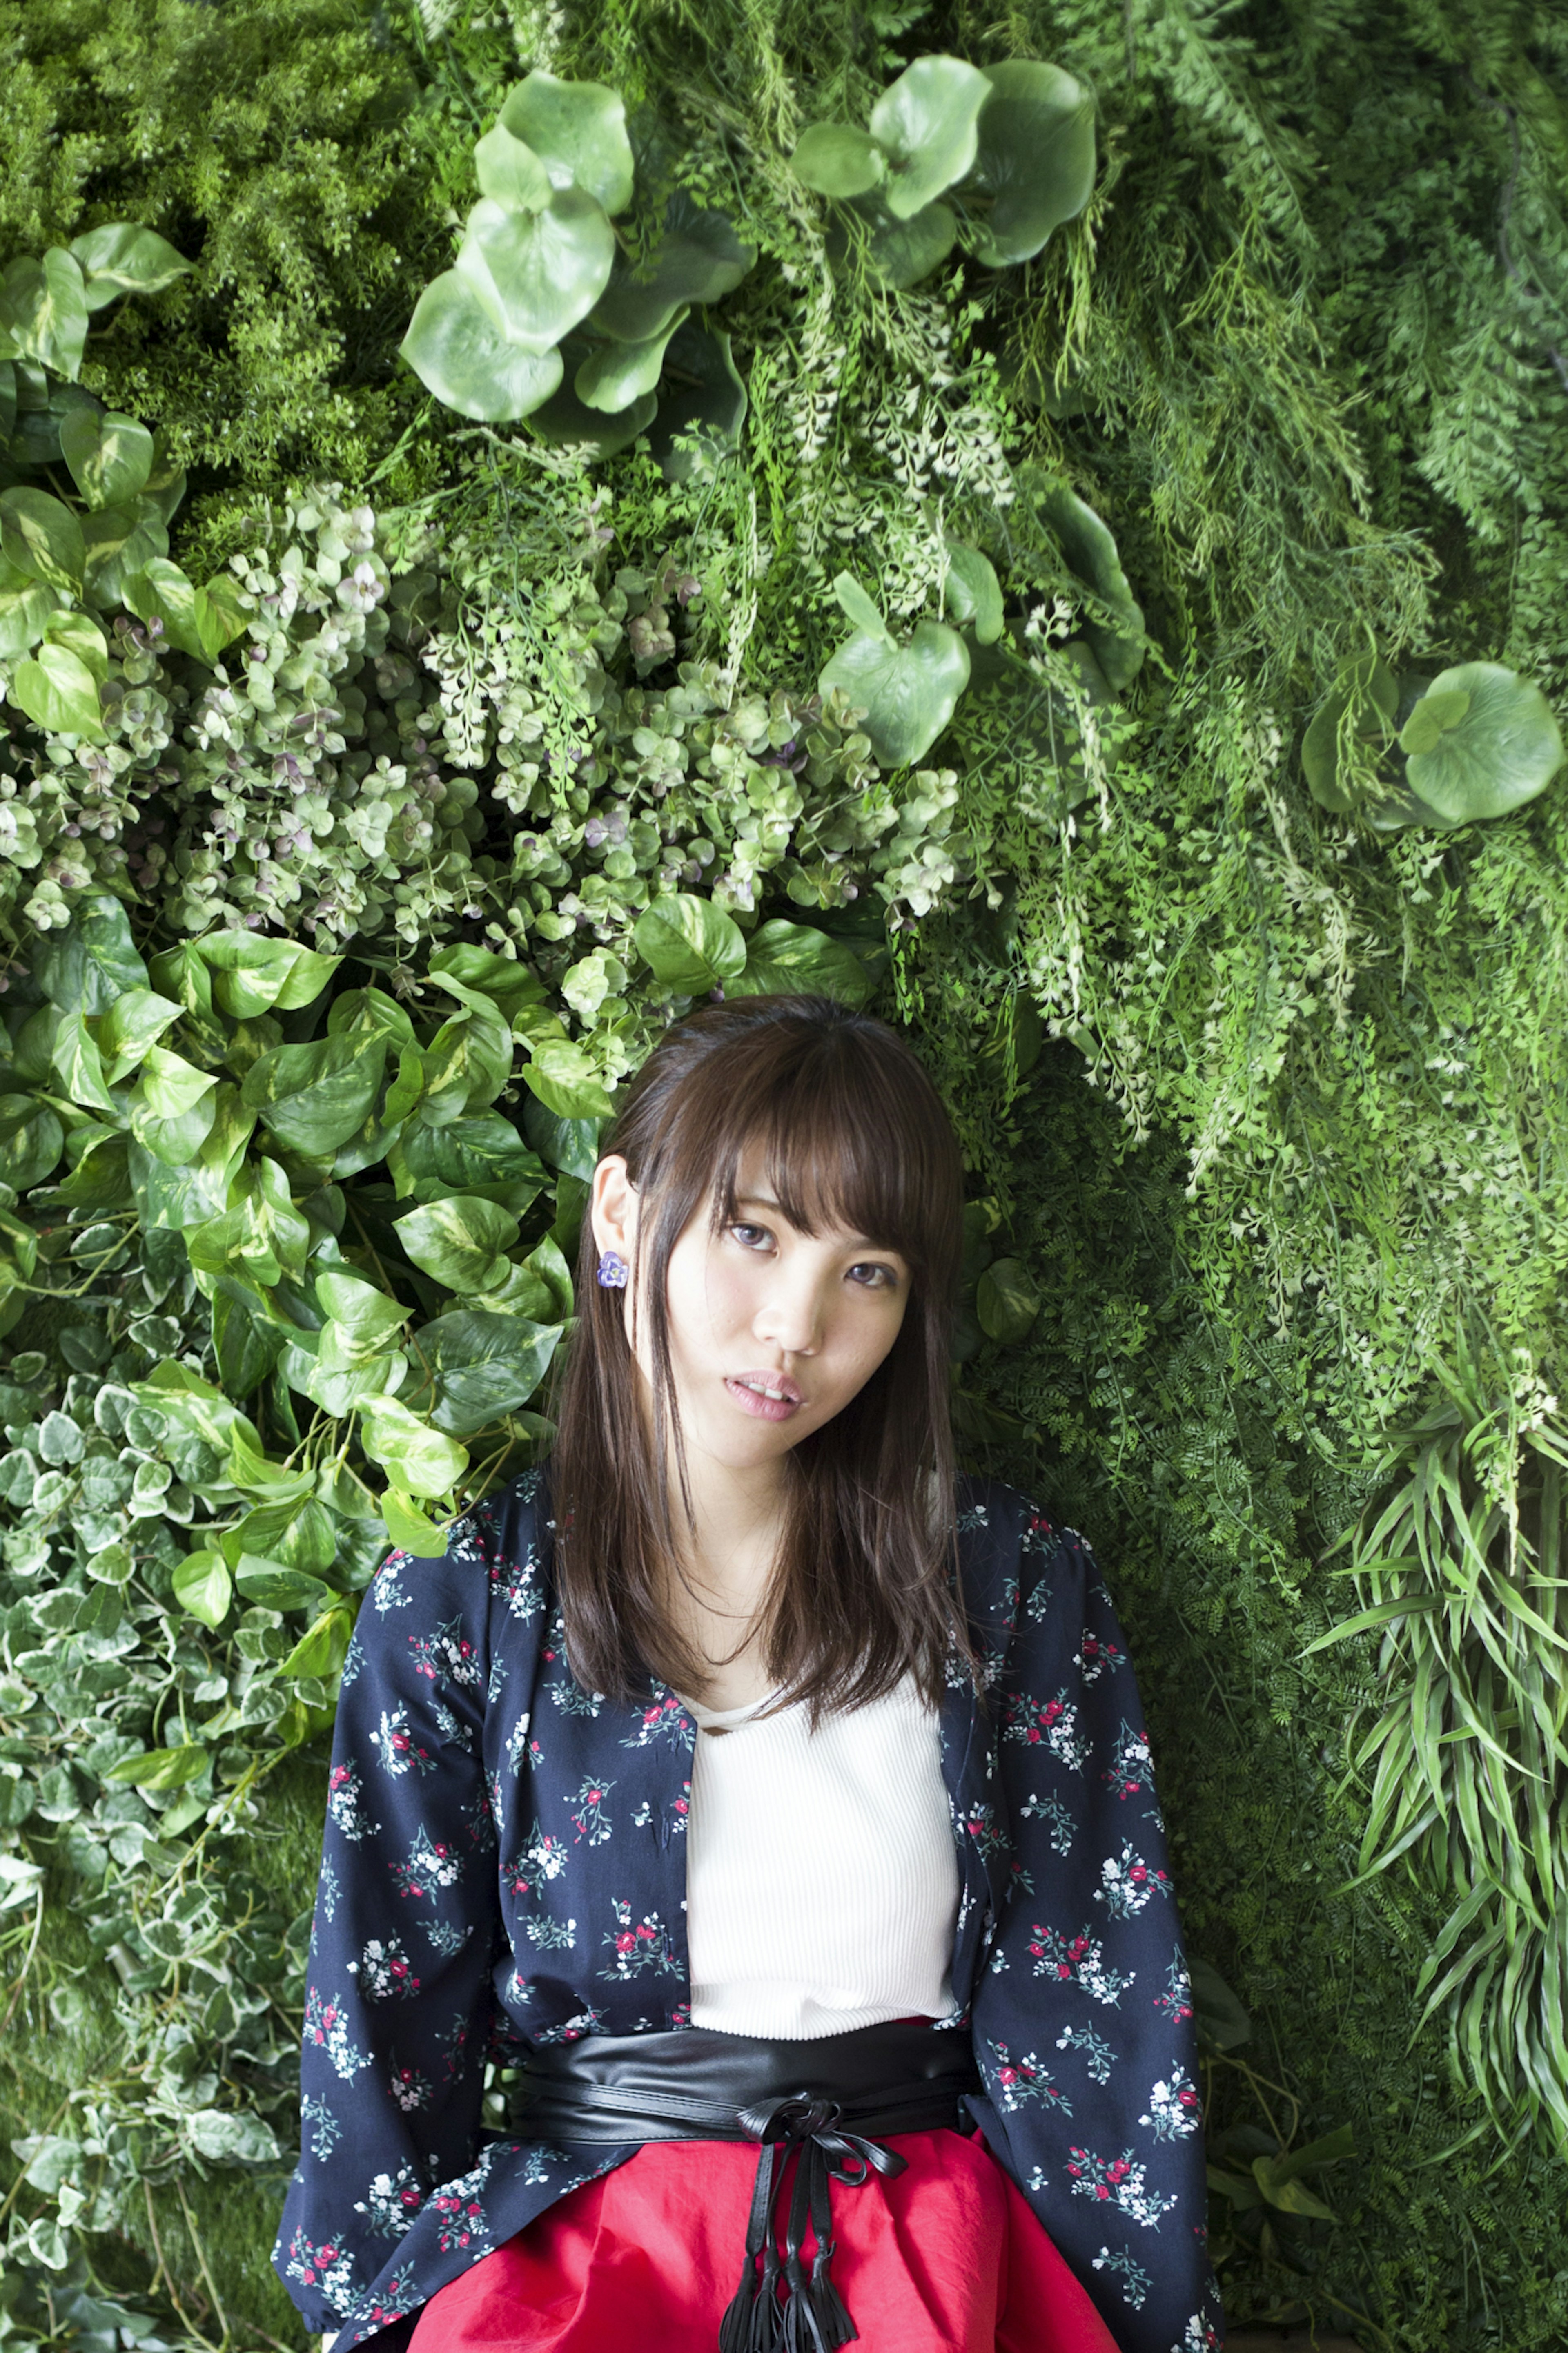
x,y
750,1391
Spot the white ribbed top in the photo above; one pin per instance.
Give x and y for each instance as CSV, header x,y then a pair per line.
x,y
821,1879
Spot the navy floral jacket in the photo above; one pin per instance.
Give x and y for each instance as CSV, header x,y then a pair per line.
x,y
503,1866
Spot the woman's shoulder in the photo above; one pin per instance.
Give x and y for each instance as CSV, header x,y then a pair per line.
x,y
994,1518
1008,1547
496,1552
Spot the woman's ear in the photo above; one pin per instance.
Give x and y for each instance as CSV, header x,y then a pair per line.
x,y
613,1208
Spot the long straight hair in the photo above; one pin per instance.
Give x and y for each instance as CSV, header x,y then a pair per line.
x,y
865,1584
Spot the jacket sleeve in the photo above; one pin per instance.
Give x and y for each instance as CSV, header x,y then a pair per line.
x,y
398,1994
1083,2014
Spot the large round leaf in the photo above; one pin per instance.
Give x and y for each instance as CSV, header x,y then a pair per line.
x,y
578,129
86,968
1484,740
703,405
26,605
1366,682
1007,1302
41,536
460,1242
539,273
43,312
110,455
313,1097
120,542
459,349
615,375
31,1141
699,258
973,592
122,259
58,693
1091,555
897,253
563,1075
837,160
192,620
509,172
925,123
691,945
565,418
793,959
70,627
420,1460
479,1366
1035,158
908,693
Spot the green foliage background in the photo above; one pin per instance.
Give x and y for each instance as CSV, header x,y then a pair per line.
x,y
1296,1123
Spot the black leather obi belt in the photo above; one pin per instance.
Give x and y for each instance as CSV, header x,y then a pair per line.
x,y
824,2101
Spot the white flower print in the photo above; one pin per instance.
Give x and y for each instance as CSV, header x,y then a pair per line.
x,y
1051,1810
387,1592
1117,2181
1096,1655
1175,2111
1135,2280
327,2268
327,2026
1018,2082
1081,1959
430,1863
326,2131
1176,2002
1051,1725
587,1812
1200,2336
1128,1884
445,1937
1130,1768
518,1584
648,1946
410,2089
384,1970
1099,2056
542,1857
396,2301
662,1719
552,1935
345,1804
392,2202
397,1748
446,1655
586,2022
327,1891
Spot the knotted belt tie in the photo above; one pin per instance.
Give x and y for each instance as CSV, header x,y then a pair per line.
x,y
823,2101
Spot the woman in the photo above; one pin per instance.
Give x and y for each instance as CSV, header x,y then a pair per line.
x,y
763,1813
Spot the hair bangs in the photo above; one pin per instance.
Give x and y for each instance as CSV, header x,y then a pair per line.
x,y
839,1147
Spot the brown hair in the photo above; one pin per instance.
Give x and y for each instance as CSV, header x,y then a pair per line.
x,y
865,1584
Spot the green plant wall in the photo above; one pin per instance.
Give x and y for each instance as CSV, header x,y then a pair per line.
x,y
329,937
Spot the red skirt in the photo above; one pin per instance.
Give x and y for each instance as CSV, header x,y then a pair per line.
x,y
946,2257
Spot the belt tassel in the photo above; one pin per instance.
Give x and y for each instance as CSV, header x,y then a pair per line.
x,y
811,2316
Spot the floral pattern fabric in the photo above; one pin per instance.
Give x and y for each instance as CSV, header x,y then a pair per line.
x,y
503,1867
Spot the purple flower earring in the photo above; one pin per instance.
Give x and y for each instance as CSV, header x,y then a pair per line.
x,y
612,1271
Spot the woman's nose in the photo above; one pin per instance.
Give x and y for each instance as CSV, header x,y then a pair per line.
x,y
791,1316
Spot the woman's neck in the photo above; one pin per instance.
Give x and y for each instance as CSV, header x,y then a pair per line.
x,y
737,1518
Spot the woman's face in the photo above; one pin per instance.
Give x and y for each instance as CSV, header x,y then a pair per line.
x,y
771,1332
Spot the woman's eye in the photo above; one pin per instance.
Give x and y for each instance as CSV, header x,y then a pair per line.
x,y
871,1277
750,1236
